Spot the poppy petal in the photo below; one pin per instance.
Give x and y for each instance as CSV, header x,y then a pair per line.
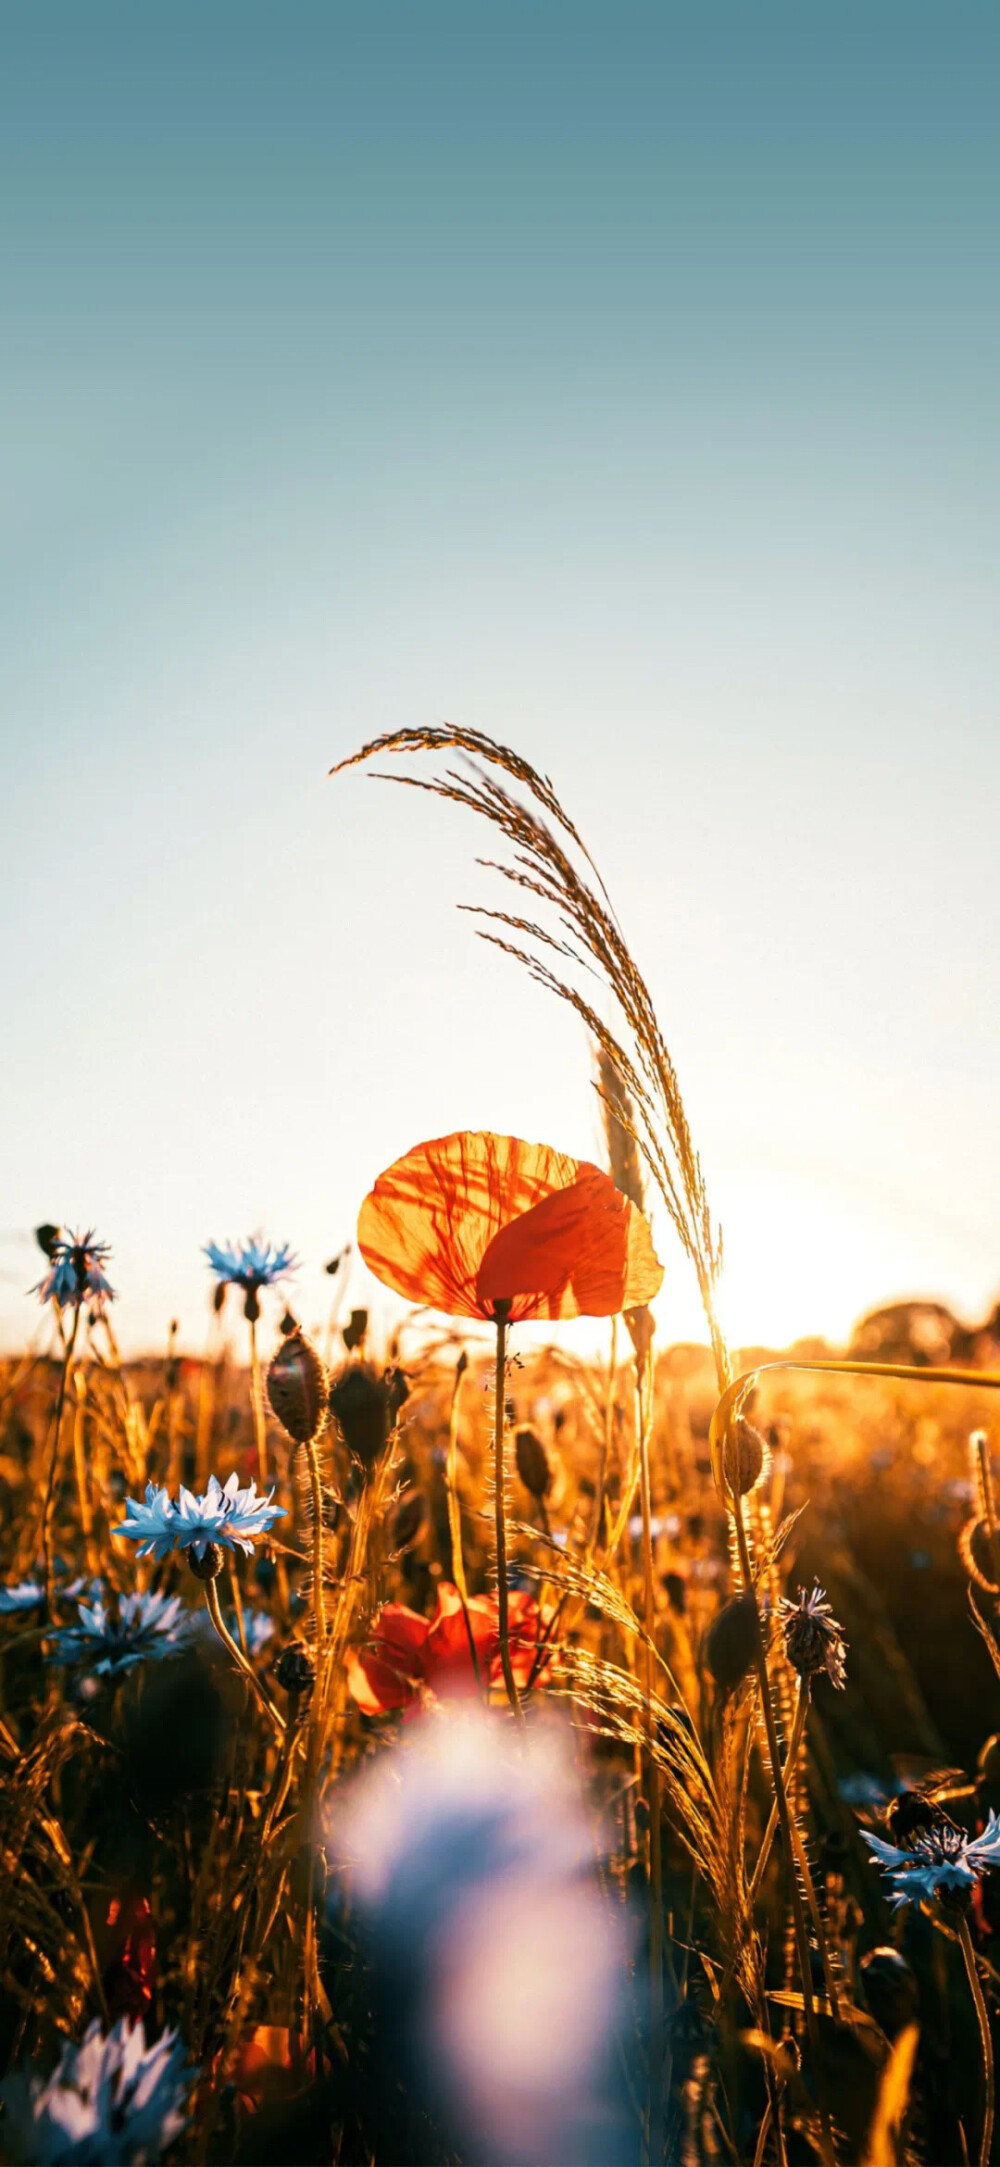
x,y
387,1673
582,1252
428,1221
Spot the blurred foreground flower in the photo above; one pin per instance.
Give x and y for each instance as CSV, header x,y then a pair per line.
x,y
112,2102
76,1273
475,1219
941,1861
252,1264
408,1653
146,1627
498,1966
226,1515
25,1595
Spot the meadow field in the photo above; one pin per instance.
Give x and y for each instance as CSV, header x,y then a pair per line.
x,y
456,1748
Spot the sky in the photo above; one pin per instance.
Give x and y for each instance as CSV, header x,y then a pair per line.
x,y
618,380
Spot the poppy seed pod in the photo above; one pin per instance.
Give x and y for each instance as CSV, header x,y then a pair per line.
x,y
359,1403
532,1463
295,1669
743,1457
297,1387
353,1333
891,1990
731,1642
210,1563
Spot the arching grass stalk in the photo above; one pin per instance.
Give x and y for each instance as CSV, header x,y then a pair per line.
x,y
501,1312
985,2041
50,1487
730,1403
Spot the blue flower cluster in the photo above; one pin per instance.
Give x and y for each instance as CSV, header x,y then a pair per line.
x,y
111,2102
250,1264
146,1628
940,1859
226,1515
76,1273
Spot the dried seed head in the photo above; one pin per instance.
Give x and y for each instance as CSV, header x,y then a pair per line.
x,y
978,1554
295,1669
359,1403
353,1333
532,1463
209,1565
743,1457
813,1638
731,1642
297,1387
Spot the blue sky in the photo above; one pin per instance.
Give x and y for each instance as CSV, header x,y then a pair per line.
x,y
621,381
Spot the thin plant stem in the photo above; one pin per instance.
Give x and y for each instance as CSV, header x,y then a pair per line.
x,y
985,2040
451,1486
238,1605
240,1660
653,1785
798,1728
82,1483
602,1465
501,1312
50,1487
319,1610
982,1451
257,1401
784,1817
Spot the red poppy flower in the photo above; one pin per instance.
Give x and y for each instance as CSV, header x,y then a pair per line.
x,y
471,1220
130,1966
408,1653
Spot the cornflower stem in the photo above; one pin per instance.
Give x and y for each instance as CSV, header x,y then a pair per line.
x,y
238,1604
240,1660
784,1819
257,1402
798,1729
989,1502
501,1312
985,2040
655,2118
50,1487
82,1483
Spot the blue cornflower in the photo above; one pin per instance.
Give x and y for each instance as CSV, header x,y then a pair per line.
x,y
251,1265
940,1861
25,1596
76,1273
111,2102
229,1516
147,1627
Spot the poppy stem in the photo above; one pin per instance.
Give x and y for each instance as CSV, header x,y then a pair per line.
x,y
655,2118
257,1402
501,1312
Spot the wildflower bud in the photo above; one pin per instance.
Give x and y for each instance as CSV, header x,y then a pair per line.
x,y
891,1990
676,1592
47,1236
218,1297
743,1458
640,1326
397,1385
297,1387
408,1520
353,1334
532,1463
295,1669
209,1565
731,1642
641,1816
251,1307
359,1403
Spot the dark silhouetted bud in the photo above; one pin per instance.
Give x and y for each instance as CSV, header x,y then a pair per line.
x,y
353,1334
209,1565
397,1385
47,1236
743,1458
359,1403
408,1520
251,1306
289,1323
295,1669
335,1262
297,1387
731,1641
891,1990
219,1297
641,1816
532,1463
676,1588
